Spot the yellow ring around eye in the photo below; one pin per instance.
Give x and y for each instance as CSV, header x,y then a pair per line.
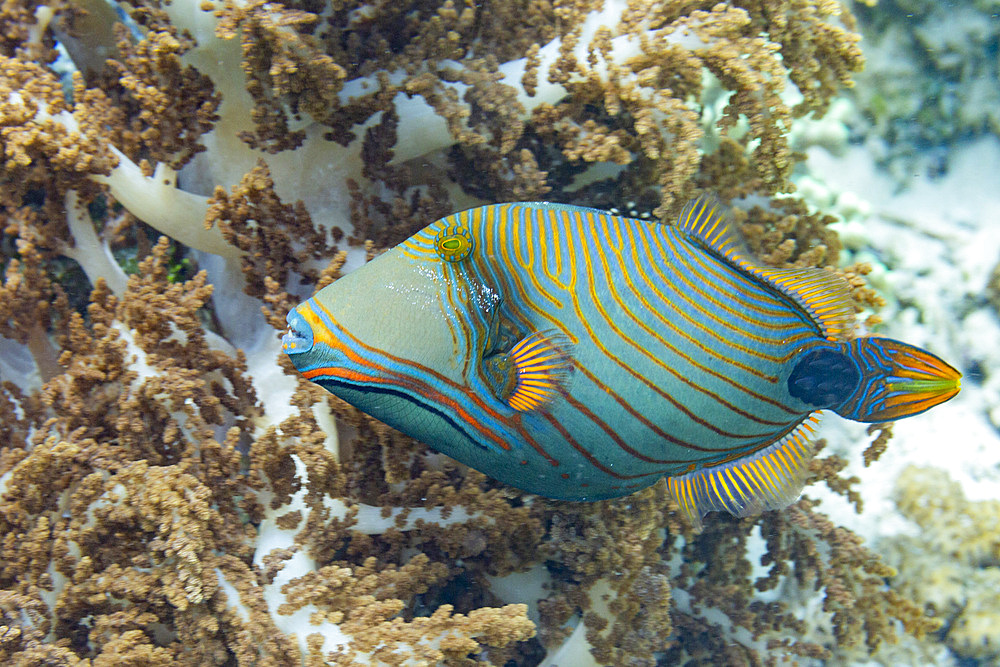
x,y
453,243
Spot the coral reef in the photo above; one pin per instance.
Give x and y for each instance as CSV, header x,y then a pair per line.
x,y
172,492
952,564
993,288
932,77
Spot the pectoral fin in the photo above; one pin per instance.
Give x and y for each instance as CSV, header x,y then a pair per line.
x,y
533,372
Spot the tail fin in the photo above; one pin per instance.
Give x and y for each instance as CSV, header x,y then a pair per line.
x,y
897,380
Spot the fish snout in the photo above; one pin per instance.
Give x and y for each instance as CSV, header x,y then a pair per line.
x,y
299,337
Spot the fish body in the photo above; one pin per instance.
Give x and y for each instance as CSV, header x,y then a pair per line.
x,y
581,355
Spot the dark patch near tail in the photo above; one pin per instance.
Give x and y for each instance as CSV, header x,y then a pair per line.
x,y
824,378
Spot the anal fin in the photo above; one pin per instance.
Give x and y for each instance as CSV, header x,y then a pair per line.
x,y
770,478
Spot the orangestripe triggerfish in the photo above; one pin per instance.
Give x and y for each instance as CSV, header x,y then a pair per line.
x,y
581,355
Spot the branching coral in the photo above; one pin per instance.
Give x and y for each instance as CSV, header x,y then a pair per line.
x,y
134,509
173,492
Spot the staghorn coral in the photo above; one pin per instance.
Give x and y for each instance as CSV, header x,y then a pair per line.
x,y
171,492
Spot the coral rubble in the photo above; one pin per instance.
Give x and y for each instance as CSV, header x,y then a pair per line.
x,y
952,565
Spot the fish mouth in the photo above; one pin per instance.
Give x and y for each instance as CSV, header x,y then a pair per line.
x,y
299,337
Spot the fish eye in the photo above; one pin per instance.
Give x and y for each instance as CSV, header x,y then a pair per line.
x,y
453,243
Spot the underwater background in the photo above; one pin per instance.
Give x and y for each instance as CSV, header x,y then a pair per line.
x,y
177,176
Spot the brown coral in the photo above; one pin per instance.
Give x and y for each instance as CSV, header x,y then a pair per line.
x,y
169,104
271,251
43,156
284,64
94,487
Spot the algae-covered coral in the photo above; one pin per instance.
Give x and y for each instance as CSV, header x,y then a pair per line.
x,y
173,492
934,77
952,565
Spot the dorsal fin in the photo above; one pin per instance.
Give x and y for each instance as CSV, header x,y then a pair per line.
x,y
705,220
821,293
